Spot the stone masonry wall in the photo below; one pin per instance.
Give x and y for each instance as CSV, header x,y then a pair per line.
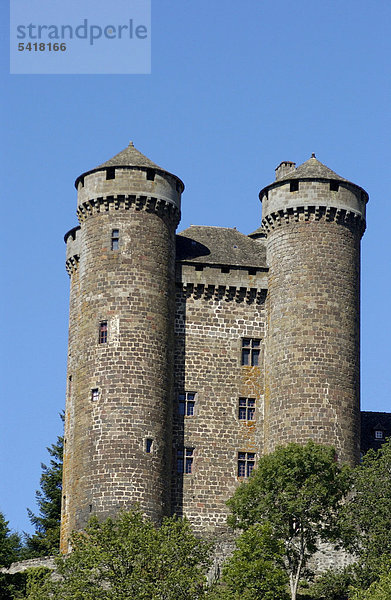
x,y
211,320
106,464
312,371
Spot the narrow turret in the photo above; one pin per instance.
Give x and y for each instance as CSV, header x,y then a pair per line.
x,y
121,260
314,221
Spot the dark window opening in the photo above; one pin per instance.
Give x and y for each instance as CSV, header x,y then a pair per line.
x,y
185,460
186,403
247,409
225,269
251,349
252,271
150,175
148,445
110,173
294,186
64,502
246,463
90,508
115,239
94,394
103,332
81,181
334,186
199,268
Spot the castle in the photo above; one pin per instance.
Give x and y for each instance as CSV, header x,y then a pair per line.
x,y
190,355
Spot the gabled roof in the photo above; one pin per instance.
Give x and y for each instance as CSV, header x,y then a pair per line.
x,y
219,246
313,169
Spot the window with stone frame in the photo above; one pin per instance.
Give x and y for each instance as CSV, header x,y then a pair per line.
x,y
246,463
246,409
94,394
251,350
186,403
184,460
115,239
103,332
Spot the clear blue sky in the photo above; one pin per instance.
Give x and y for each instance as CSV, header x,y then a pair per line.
x,y
235,88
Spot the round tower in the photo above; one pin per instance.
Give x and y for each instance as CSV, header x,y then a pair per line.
x,y
314,221
121,259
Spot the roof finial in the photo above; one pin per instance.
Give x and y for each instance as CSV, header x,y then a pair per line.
x,y
313,155
131,144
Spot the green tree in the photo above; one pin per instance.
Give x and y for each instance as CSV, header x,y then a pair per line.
x,y
131,557
10,547
298,492
46,538
380,589
256,568
367,516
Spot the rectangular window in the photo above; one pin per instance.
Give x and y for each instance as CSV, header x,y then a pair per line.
x,y
334,186
150,175
103,332
148,445
251,349
110,173
379,434
184,460
94,394
246,462
186,402
247,409
115,239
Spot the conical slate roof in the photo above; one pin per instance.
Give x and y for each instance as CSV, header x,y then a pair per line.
x,y
312,168
130,157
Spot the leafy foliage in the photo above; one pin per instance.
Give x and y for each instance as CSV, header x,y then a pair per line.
x,y
256,568
131,557
10,547
368,514
46,538
297,491
380,589
333,584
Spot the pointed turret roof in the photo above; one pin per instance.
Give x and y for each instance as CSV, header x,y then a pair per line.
x,y
312,169
129,158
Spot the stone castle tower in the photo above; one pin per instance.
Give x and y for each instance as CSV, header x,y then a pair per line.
x,y
191,355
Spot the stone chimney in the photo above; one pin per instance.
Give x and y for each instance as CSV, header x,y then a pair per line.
x,y
284,168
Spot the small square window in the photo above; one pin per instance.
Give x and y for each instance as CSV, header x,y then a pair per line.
x,y
103,332
246,462
294,186
185,460
379,434
95,394
251,349
334,186
186,403
247,409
